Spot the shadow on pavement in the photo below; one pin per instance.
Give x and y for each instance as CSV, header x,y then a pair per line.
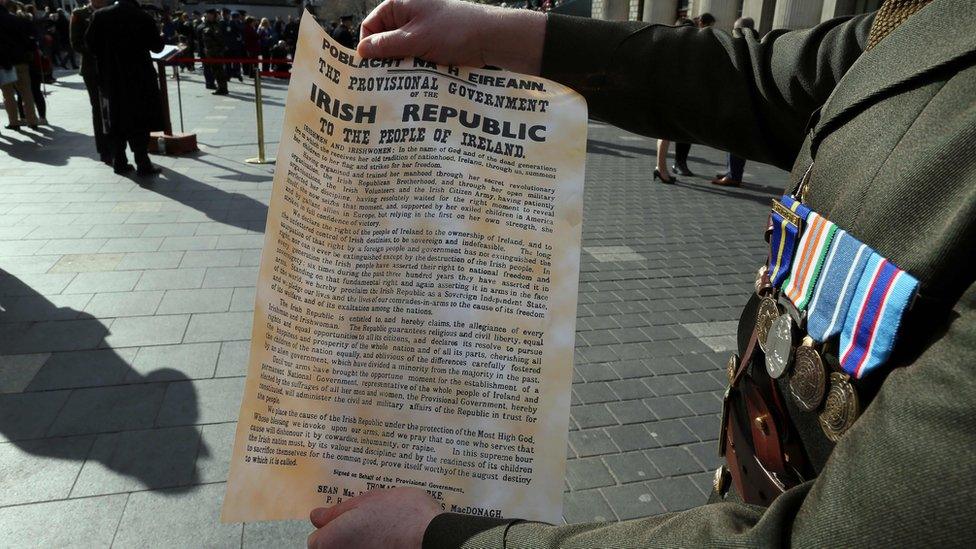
x,y
236,209
65,395
51,145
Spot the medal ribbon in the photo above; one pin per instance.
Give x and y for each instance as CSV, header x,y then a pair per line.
x,y
783,240
814,245
883,293
838,280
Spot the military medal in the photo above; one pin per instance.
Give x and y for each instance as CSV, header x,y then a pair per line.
x,y
724,428
779,345
818,233
787,222
841,407
768,311
832,297
809,379
868,335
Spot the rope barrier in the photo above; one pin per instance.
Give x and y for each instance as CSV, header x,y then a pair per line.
x,y
214,60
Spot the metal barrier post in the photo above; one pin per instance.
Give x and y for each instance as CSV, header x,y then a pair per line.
x,y
260,115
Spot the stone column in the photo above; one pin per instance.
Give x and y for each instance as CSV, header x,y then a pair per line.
x,y
797,14
662,12
761,12
725,12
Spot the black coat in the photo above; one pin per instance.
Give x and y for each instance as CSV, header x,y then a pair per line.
x,y
16,39
120,37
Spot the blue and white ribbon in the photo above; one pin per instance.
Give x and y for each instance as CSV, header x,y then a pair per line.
x,y
835,290
883,293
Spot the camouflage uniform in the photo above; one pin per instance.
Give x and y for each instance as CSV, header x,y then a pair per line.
x,y
213,46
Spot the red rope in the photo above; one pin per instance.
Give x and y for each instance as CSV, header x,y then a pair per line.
x,y
247,60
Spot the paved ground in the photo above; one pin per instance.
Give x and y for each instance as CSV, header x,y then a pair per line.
x,y
126,310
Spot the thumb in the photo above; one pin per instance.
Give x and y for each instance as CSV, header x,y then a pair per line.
x,y
394,43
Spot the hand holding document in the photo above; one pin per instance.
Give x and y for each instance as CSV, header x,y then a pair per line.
x,y
416,303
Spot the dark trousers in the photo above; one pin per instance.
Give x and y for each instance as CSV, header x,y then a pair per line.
x,y
208,76
737,165
100,143
681,151
36,94
139,145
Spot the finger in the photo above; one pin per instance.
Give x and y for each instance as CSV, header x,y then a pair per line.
x,y
320,516
379,20
338,534
388,44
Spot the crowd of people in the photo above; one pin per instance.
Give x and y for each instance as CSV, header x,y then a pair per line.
x,y
31,40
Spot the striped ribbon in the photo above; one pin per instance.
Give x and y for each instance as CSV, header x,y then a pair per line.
x,y
783,240
839,276
883,293
814,245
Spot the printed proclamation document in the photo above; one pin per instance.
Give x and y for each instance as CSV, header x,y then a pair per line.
x,y
416,303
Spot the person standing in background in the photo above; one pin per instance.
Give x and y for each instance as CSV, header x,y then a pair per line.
x,y
736,164
17,34
680,149
120,37
265,42
214,45
343,33
252,44
80,19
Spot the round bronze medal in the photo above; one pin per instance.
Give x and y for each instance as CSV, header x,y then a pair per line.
x,y
809,379
779,346
768,311
841,407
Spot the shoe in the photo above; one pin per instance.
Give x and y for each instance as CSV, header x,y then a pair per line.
x,y
240,78
671,180
148,170
211,87
122,169
220,92
106,159
726,181
681,168
42,122
15,126
32,126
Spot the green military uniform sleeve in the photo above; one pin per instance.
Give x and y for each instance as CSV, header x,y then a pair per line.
x,y
916,442
742,95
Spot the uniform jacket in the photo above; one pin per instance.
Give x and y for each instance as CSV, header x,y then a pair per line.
x,y
16,39
120,38
891,134
213,40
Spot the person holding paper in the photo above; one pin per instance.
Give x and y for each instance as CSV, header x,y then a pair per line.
x,y
874,115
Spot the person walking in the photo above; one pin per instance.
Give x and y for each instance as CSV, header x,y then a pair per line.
x,y
857,429
17,44
80,19
120,37
214,46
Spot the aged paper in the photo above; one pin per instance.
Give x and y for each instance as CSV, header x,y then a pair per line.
x,y
416,303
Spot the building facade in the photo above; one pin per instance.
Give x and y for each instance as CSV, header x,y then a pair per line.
x,y
768,14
